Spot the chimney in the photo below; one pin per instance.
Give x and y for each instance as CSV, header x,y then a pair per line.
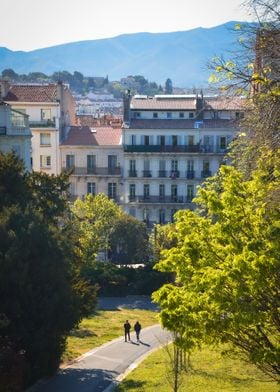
x,y
126,106
199,105
4,88
59,91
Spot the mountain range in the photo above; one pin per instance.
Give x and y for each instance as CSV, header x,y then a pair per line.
x,y
181,56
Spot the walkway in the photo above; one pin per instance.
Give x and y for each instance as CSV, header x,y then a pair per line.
x,y
100,369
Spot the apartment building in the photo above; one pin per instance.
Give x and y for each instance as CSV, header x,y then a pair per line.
x,y
51,111
171,144
15,134
95,157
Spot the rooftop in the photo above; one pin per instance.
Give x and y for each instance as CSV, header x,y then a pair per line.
x,y
98,136
32,93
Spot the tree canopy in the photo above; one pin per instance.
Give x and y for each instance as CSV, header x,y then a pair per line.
x,y
42,293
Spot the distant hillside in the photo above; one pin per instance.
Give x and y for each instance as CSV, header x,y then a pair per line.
x,y
181,56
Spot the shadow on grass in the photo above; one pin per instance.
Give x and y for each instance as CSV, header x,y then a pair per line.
x,y
226,377
81,333
130,384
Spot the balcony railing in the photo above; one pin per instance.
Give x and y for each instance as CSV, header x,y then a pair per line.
x,y
162,173
190,174
198,148
147,173
159,199
41,124
174,174
132,173
98,171
206,173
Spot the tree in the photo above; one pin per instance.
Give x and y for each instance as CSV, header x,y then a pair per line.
x,y
168,86
42,293
129,241
9,74
97,216
227,267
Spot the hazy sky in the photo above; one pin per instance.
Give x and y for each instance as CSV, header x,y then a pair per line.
x,y
33,24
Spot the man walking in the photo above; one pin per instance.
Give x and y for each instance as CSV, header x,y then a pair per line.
x,y
126,327
137,329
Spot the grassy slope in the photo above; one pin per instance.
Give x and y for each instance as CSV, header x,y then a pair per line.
x,y
102,327
210,373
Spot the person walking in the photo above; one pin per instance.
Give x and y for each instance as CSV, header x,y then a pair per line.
x,y
126,327
137,329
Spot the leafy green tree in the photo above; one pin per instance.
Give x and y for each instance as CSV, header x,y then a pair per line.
x,y
97,216
129,241
42,293
227,267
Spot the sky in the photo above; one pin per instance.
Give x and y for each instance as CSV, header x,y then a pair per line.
x,y
34,24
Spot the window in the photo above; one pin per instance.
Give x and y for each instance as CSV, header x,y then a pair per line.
x,y
162,140
169,114
191,115
45,139
112,190
174,140
190,192
91,163
173,212
174,165
155,115
190,140
161,191
132,212
70,161
181,115
112,161
146,191
206,165
91,188
146,140
133,140
132,165
161,216
174,192
239,115
45,161
190,165
132,192
45,114
223,142
138,114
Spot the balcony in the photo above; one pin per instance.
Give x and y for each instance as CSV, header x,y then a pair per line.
x,y
174,174
42,124
132,173
198,148
206,173
147,173
96,171
162,173
159,199
190,174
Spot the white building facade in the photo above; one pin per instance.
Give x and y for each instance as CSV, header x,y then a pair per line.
x,y
51,111
171,145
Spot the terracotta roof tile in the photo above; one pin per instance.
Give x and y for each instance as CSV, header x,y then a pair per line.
x,y
231,103
32,93
98,136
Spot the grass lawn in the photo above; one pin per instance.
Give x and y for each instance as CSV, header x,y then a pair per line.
x,y
102,327
210,373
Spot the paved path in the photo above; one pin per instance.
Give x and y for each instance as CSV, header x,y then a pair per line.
x,y
102,368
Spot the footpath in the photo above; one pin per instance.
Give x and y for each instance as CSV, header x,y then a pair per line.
x,y
102,368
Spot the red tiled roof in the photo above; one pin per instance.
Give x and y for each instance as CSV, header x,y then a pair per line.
x,y
230,103
98,136
32,93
